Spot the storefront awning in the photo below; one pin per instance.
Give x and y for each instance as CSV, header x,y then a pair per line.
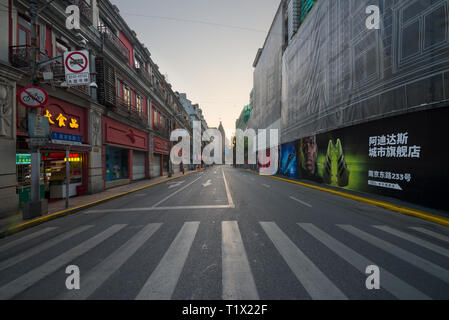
x,y
74,147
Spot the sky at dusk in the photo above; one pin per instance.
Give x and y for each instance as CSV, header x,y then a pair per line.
x,y
205,47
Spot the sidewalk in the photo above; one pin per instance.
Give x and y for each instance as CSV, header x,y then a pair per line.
x,y
56,209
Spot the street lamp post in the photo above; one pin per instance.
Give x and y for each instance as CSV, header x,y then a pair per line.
x,y
34,208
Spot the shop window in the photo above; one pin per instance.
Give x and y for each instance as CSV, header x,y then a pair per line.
x,y
54,164
116,164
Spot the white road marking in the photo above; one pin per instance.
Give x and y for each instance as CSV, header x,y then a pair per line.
x,y
208,183
176,192
266,185
162,282
26,238
155,207
432,234
415,240
228,193
226,206
22,283
399,253
175,184
315,282
41,247
98,275
390,282
237,278
302,202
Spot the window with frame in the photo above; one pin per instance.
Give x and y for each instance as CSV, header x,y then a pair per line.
x,y
127,95
138,62
154,118
139,103
167,123
161,121
23,31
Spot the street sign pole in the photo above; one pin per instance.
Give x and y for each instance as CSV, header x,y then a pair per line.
x,y
34,208
67,176
35,176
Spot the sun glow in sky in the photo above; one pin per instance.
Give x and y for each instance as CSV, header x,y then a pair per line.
x,y
206,47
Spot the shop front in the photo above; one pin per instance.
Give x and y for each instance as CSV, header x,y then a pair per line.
x,y
68,129
125,153
161,157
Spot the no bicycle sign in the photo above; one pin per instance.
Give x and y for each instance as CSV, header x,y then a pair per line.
x,y
76,65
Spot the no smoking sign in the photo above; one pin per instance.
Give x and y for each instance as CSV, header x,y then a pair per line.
x,y
76,65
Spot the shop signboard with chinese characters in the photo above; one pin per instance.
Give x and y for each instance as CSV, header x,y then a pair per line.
x,y
66,118
393,157
76,65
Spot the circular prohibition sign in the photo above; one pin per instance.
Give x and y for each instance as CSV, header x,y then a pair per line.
x,y
83,65
33,97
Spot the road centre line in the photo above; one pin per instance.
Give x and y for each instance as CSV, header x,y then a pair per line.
x,y
176,192
228,193
300,201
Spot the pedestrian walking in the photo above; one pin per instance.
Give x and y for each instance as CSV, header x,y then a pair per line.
x,y
181,166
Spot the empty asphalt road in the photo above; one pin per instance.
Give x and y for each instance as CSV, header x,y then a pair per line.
x,y
225,233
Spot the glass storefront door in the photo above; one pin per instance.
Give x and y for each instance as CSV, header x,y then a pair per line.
x,y
117,164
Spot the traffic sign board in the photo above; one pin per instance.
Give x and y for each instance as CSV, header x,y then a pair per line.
x,y
65,138
33,97
76,61
76,65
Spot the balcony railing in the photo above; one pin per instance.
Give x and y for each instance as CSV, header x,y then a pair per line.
x,y
144,75
130,111
110,39
21,56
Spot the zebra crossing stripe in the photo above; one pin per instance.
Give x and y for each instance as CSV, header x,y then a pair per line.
x,y
26,238
420,242
315,282
99,274
22,283
399,253
44,246
162,282
390,282
431,233
237,278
